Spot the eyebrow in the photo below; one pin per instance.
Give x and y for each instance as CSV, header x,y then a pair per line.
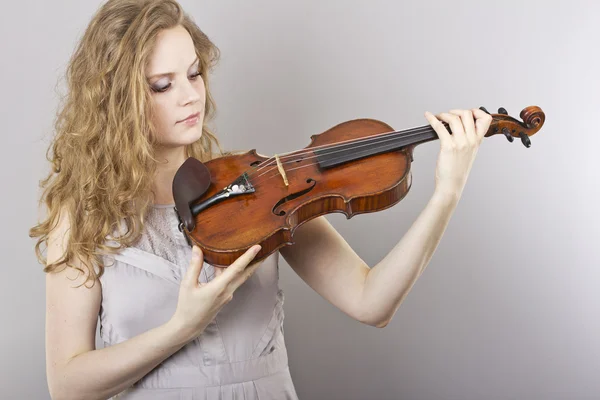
x,y
172,73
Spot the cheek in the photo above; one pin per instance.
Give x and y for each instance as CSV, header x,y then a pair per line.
x,y
200,88
162,114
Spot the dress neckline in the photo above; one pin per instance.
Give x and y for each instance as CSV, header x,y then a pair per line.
x,y
163,205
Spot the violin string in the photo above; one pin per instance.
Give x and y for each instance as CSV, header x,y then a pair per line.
x,y
256,181
274,167
345,144
378,142
386,136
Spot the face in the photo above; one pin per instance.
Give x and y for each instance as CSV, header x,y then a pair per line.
x,y
178,90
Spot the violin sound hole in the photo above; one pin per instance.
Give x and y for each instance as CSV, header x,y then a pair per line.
x,y
293,196
254,164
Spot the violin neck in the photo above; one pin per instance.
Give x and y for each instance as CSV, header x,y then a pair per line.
x,y
338,153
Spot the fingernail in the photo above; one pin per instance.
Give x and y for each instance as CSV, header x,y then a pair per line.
x,y
195,252
257,249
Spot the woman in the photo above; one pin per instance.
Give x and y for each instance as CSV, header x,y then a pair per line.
x,y
137,107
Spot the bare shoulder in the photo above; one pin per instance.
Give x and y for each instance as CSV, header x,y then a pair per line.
x,y
76,273
72,304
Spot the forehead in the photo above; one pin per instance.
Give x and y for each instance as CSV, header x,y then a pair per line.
x,y
174,50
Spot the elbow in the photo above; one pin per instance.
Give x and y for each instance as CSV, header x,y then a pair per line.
x,y
377,321
65,394
57,385
64,385
382,323
60,390
56,393
54,387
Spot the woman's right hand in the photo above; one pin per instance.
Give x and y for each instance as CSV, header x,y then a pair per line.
x,y
199,302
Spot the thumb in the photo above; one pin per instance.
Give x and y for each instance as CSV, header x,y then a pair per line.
x,y
193,272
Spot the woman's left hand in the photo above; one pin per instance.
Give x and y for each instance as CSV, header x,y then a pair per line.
x,y
459,149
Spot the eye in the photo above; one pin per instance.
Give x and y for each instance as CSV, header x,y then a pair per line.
x,y
160,89
163,89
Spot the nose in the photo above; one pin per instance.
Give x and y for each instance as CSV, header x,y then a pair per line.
x,y
189,94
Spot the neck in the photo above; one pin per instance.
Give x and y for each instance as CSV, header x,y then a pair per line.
x,y
350,150
169,160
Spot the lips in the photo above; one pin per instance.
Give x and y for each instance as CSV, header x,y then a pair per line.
x,y
192,116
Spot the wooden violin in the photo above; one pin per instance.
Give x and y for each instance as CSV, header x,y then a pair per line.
x,y
228,204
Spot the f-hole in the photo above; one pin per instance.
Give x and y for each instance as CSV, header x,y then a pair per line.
x,y
292,197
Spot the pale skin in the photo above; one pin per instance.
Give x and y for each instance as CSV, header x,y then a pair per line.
x,y
320,255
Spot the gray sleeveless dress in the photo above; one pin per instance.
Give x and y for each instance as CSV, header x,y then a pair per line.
x,y
242,352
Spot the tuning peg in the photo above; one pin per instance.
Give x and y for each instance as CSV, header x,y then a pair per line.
x,y
525,139
506,133
502,110
482,108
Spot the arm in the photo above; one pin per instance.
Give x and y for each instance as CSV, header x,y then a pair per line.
x,y
74,368
325,261
390,281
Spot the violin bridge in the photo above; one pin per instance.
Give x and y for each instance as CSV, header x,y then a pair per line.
x,y
281,170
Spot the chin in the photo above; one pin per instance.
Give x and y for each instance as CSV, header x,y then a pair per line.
x,y
192,134
186,136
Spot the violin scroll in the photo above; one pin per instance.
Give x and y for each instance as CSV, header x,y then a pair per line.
x,y
533,118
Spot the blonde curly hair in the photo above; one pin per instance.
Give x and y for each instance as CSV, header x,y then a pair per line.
x,y
102,154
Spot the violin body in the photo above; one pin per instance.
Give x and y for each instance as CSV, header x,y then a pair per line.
x,y
270,215
355,167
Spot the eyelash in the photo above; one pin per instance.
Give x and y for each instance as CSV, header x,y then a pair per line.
x,y
164,89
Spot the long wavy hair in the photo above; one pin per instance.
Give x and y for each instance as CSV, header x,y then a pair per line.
x,y
102,154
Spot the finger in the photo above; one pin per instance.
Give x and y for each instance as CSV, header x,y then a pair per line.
x,y
439,128
192,274
468,122
482,122
239,265
218,271
456,126
245,275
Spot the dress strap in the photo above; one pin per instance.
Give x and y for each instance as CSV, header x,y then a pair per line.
x,y
149,262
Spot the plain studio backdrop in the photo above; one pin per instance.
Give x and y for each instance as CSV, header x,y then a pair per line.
x,y
508,307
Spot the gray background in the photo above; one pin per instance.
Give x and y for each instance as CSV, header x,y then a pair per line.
x,y
508,307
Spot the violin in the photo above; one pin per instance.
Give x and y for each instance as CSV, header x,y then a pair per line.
x,y
230,203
